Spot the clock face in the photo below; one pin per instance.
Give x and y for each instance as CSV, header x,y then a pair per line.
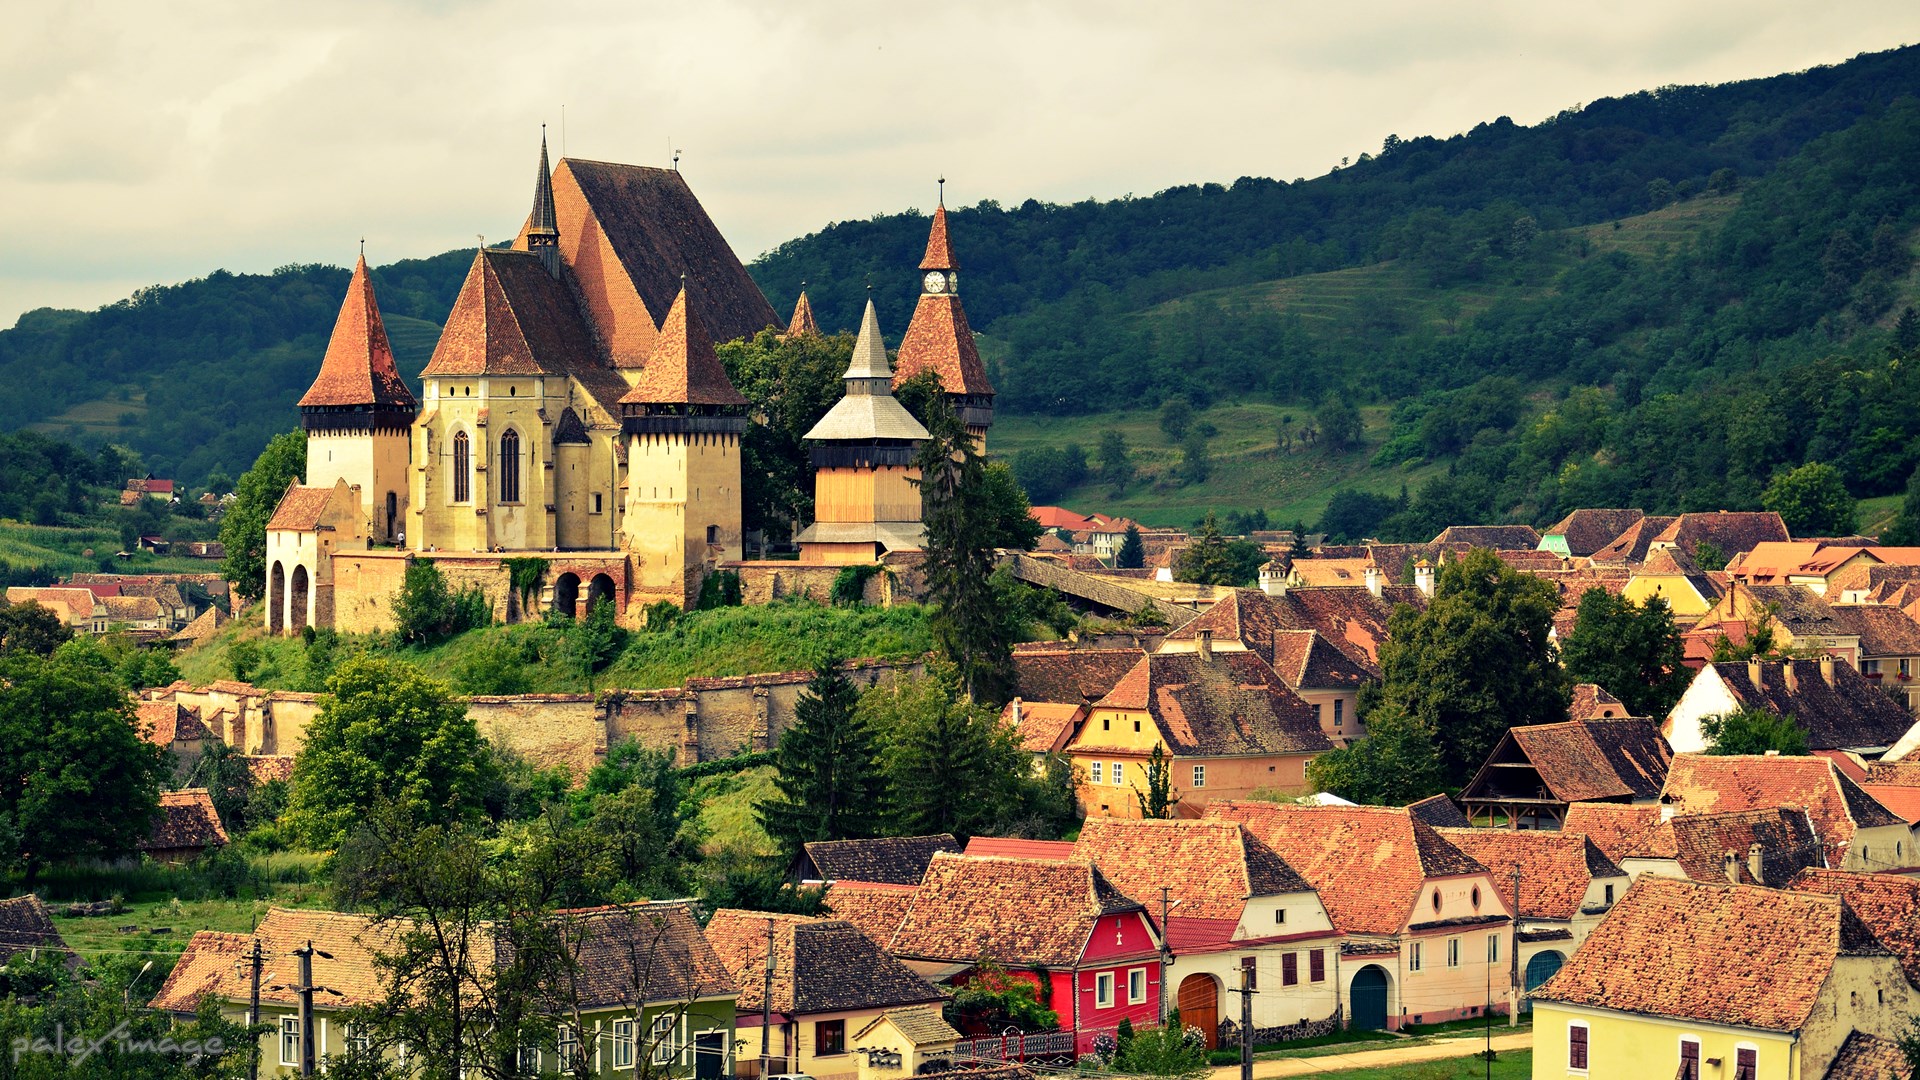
x,y
935,281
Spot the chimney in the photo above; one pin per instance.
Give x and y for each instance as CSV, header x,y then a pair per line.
x,y
1206,643
1423,577
1826,668
1016,712
1790,676
1753,673
1753,865
1732,867
1373,580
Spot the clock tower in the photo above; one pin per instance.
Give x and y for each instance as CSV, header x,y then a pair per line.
x,y
939,339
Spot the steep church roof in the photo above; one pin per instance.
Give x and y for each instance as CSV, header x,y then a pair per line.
x,y
683,369
939,339
358,369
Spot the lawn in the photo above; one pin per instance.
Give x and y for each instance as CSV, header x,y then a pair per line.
x,y
1509,1065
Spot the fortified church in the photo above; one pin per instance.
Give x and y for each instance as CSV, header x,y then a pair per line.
x,y
575,413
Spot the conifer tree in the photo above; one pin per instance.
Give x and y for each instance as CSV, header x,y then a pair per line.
x,y
961,526
1132,554
830,783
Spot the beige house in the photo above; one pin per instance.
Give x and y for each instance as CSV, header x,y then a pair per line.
x,y
905,1042
1855,831
1565,886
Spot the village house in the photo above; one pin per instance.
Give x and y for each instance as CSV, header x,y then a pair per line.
x,y
26,929
1809,564
1740,847
1837,707
1223,721
1496,537
887,860
185,827
1426,926
1854,830
1534,773
175,728
1631,546
913,1041
1059,673
1562,883
1614,828
1673,576
1724,533
1888,903
1043,728
1227,904
826,983
1318,672
1689,980
1093,952
1583,532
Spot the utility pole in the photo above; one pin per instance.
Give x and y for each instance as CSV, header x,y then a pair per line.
x,y
1246,993
1513,1015
766,1009
304,990
254,960
1165,955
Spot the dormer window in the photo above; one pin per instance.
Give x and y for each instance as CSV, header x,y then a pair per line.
x,y
1436,901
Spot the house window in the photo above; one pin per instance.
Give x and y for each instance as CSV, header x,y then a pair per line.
x,y
1097,770
1137,986
663,1038
1453,952
1103,990
713,534
1906,667
1689,1060
358,1045
1317,966
1199,776
290,1040
1746,1063
1413,957
623,1044
1289,969
1869,667
596,502
568,1045
830,1037
1493,948
462,466
510,466
1577,1046
1606,895
1119,773
1280,917
1339,711
530,1060
1106,723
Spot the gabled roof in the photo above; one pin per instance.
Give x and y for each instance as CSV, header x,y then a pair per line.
x,y
656,951
1787,844
1043,726
1592,702
819,965
207,965
1615,828
1017,911
1228,703
186,820
1588,531
1066,675
1302,656
1774,562
876,909
358,369
888,860
26,925
1724,954
802,323
164,723
1581,760
1497,537
1866,1057
921,1025
1368,863
301,509
1851,712
1212,866
1882,630
1555,867
1059,517
1351,618
1439,811
1706,783
1631,545
684,369
1888,903
203,626
1015,847
1731,531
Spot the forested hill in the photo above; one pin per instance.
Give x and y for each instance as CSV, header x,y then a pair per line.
x,y
1464,257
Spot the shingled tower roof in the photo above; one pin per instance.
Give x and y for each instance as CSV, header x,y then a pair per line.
x,y
868,409
939,339
543,230
939,249
684,369
358,371
803,322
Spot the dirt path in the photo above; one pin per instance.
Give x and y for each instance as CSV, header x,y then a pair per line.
x,y
1369,1059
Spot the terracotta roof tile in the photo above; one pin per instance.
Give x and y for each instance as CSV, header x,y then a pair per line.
x,y
1785,837
1631,545
1301,655
1588,531
1724,954
25,925
1439,811
1584,760
1070,676
1018,911
204,626
1212,866
267,767
131,608
819,965
1014,847
1732,532
886,860
802,323
1497,537
1615,828
939,254
186,821
1867,1057
1883,631
683,369
164,723
1555,867
876,909
570,429
1852,712
301,509
1043,727
1705,783
358,369
922,1025
1368,863
1888,903
676,962
939,340
206,967
1232,703
1592,702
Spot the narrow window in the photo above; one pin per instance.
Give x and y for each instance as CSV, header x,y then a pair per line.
x,y
1137,986
462,478
1289,969
830,1037
1607,895
1493,948
1577,1046
1317,966
393,513
596,502
1250,973
1413,957
290,1040
1136,727
663,1047
1097,770
1106,723
1339,711
1103,990
623,1044
713,534
1746,1063
567,1043
1453,952
1119,773
510,467
1689,1060
1280,917
1199,776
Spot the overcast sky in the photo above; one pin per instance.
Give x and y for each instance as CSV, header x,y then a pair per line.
x,y
146,142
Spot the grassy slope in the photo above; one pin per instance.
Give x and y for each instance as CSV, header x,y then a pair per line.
x,y
64,550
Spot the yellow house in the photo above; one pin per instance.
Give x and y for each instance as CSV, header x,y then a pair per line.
x,y
1226,723
1673,576
1722,982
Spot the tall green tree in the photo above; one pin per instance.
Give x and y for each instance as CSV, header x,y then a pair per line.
x,y
1009,513
1630,650
831,785
1158,799
243,530
1476,662
951,765
1132,554
386,731
1753,731
790,382
1905,530
1176,416
30,628
1813,501
1339,421
1115,466
1397,763
1211,559
962,526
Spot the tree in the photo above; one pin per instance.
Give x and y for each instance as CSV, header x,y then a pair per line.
x,y
81,780
1132,554
1159,798
243,530
995,999
1753,731
1353,515
1906,332
632,801
1211,559
1176,416
1167,1050
385,730
1196,461
789,383
830,781
1812,500
1009,514
30,628
951,765
1397,763
1476,662
427,610
1905,530
962,523
229,782
1339,422
1633,652
1116,467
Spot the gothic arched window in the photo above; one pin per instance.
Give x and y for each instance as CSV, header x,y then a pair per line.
x,y
462,468
510,467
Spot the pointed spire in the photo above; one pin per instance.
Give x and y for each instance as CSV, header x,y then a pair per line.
x,y
358,369
802,322
939,249
868,409
684,369
543,232
870,351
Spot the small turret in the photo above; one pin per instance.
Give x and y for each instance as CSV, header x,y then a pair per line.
x,y
543,231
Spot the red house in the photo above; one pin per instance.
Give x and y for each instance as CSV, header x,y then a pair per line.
x,y
1093,952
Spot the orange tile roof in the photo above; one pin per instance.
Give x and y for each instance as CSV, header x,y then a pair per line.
x,y
1888,903
1043,727
876,909
1631,545
885,860
939,340
1014,847
683,369
1903,802
819,965
1230,703
1059,517
1867,1057
1705,783
1497,537
1785,837
1065,675
1586,760
1587,531
1017,911
164,723
1732,532
1724,954
358,368
1555,867
206,967
802,322
1615,828
482,336
1212,866
300,509
939,254
186,821
1367,862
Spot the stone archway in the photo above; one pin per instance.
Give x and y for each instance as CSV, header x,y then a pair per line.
x,y
298,617
276,598
602,588
1200,1006
1369,994
566,594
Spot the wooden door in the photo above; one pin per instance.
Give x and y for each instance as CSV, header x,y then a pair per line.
x,y
1200,1006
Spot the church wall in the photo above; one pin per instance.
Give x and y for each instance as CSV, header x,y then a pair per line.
x,y
679,487
765,582
377,462
547,729
364,586
572,499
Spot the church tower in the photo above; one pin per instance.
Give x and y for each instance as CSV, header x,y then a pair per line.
x,y
543,231
682,423
939,339
866,501
802,324
358,414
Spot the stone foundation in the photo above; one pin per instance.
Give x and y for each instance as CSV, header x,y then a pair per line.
x,y
1306,1029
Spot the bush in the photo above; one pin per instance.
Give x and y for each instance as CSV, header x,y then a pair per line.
x,y
850,585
